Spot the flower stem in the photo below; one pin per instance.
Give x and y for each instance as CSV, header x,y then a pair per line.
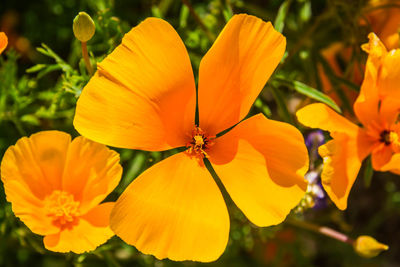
x,y
321,230
85,56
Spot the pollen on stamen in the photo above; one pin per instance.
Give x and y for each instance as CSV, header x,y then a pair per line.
x,y
391,138
199,143
62,208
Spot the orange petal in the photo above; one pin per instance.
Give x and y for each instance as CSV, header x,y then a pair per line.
x,y
261,163
342,161
143,94
367,103
393,165
389,110
235,69
91,172
3,41
321,116
30,170
173,210
381,156
389,75
91,231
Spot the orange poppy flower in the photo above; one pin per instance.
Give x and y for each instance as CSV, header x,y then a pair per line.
x,y
3,41
143,96
377,108
383,17
55,187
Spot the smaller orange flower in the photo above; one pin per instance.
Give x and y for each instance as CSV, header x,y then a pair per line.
x,y
3,41
383,17
377,108
55,186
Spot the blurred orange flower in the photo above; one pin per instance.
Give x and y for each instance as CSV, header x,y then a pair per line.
x,y
377,108
383,18
55,187
3,41
143,96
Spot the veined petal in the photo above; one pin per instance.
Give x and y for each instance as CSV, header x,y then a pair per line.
x,y
91,172
30,170
262,163
389,75
143,94
173,210
342,161
323,117
235,69
367,102
389,110
37,161
91,231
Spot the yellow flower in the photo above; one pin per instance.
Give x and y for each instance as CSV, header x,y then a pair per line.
x,y
143,96
55,187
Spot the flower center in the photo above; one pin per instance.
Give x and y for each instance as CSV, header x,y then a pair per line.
x,y
199,143
62,207
391,138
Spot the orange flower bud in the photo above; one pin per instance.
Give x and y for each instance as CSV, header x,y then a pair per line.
x,y
368,247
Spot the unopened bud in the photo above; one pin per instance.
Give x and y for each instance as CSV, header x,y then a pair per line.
x,y
83,27
368,247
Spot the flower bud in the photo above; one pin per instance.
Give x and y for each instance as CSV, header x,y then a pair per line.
x,y
83,27
368,247
3,41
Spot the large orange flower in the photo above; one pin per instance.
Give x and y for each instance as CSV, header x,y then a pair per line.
x,y
55,187
377,108
3,41
143,96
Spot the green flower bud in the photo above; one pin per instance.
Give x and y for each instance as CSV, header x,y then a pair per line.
x,y
83,27
368,247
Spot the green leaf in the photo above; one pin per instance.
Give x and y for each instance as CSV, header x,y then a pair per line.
x,y
30,119
264,108
36,68
309,91
281,16
183,16
156,12
305,11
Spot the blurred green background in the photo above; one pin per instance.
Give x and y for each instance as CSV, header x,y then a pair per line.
x,y
42,75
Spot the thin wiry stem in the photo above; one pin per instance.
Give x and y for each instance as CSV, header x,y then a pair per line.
x,y
323,230
85,56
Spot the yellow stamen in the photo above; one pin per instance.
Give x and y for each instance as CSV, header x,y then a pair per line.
x,y
394,141
199,143
62,207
